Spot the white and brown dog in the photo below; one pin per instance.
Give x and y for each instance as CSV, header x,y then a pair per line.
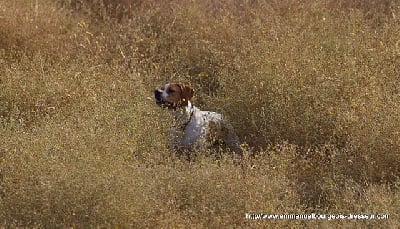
x,y
194,129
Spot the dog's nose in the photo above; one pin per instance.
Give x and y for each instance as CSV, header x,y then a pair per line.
x,y
157,94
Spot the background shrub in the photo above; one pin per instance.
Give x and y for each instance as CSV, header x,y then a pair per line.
x,y
311,88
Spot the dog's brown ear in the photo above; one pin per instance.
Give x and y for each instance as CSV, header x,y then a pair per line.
x,y
187,94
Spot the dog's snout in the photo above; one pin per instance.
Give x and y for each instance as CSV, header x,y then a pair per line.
x,y
157,94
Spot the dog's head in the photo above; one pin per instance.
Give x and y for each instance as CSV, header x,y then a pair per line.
x,y
173,95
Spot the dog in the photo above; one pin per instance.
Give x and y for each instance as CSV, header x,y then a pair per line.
x,y
194,129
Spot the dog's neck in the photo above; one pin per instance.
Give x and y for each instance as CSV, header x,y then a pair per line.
x,y
183,115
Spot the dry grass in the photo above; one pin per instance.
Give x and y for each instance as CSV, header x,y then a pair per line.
x,y
311,86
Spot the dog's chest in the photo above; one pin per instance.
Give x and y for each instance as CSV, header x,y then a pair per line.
x,y
195,132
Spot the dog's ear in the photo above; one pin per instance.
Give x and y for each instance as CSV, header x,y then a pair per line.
x,y
187,94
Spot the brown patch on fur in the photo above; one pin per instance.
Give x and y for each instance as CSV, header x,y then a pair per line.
x,y
186,94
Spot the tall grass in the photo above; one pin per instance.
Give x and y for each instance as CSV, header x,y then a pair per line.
x,y
311,87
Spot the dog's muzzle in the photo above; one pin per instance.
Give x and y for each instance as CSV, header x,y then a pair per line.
x,y
160,100
157,96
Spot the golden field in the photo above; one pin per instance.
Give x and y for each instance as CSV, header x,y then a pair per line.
x,y
311,87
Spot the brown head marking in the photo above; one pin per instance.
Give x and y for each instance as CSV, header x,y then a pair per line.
x,y
186,94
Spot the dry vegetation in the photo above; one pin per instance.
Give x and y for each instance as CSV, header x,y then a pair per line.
x,y
312,87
